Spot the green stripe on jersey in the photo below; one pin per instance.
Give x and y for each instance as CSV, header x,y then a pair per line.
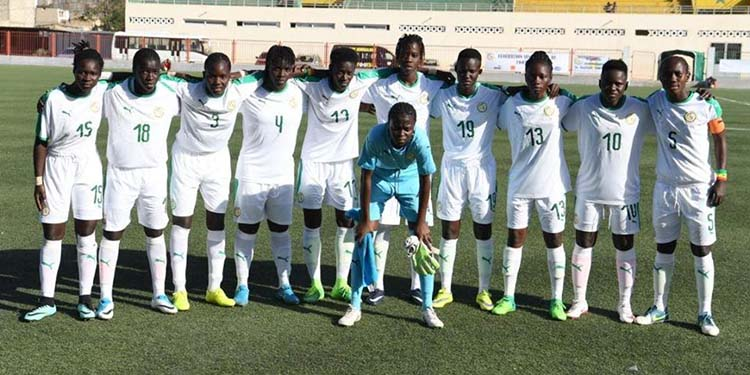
x,y
376,73
717,107
250,78
44,98
568,94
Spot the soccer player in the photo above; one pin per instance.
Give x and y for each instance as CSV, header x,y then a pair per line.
x,y
538,179
396,161
271,116
407,85
686,188
326,171
69,172
139,112
469,112
611,128
200,161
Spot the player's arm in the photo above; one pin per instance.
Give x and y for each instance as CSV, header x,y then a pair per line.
x,y
40,154
442,75
422,230
719,189
553,90
364,226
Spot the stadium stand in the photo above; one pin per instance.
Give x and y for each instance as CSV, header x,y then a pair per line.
x,y
599,6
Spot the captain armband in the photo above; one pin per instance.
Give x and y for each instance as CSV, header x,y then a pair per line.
x,y
716,126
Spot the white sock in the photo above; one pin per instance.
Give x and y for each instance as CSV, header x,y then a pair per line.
x,y
447,258
626,267
344,249
86,249
178,249
415,284
663,270
382,240
556,268
215,249
311,250
156,250
49,263
485,256
108,252
281,248
580,266
511,264
244,248
704,281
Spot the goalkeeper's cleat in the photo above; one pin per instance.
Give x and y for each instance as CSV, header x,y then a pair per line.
x,y
652,316
577,309
286,294
352,316
341,291
180,300
162,304
484,300
375,297
219,298
506,305
557,310
315,293
625,313
242,295
708,325
85,312
442,299
105,310
40,313
431,319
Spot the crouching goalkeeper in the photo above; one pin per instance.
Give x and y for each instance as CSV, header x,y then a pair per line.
x,y
396,161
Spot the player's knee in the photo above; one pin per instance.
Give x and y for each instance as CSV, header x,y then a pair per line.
x,y
85,227
451,229
313,218
183,221
54,232
516,237
700,251
342,221
214,221
153,233
482,232
585,239
112,236
623,242
248,228
277,228
552,240
666,248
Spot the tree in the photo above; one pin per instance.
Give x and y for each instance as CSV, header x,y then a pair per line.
x,y
109,13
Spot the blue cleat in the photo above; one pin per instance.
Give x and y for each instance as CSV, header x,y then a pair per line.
x,y
105,310
85,312
286,294
40,313
652,316
242,295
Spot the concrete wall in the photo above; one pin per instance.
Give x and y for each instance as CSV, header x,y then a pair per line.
x,y
17,13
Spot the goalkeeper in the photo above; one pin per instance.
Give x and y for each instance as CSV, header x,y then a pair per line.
x,y
396,161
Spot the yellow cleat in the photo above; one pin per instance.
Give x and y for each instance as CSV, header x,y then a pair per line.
x,y
484,300
180,301
218,298
442,299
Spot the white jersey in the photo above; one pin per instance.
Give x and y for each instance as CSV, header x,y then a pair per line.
x,y
468,122
69,123
139,125
270,121
206,121
683,151
610,142
332,122
534,131
389,91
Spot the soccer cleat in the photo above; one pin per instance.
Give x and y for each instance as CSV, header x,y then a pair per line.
x,y
557,310
652,316
352,316
162,304
105,310
242,295
286,294
180,300
579,308
341,291
315,293
506,305
218,298
484,300
442,299
431,319
375,297
416,296
625,313
40,313
708,325
85,312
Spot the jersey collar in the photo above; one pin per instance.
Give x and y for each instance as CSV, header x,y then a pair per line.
x,y
616,106
409,85
689,97
64,87
131,88
532,101
473,94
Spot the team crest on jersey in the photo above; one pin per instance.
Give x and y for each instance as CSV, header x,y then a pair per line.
x,y
410,156
237,212
549,111
232,105
300,197
690,116
94,107
424,98
293,103
158,112
354,94
631,119
482,107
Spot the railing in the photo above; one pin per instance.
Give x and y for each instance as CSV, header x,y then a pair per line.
x,y
497,6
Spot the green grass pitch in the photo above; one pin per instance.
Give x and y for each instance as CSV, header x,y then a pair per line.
x,y
269,337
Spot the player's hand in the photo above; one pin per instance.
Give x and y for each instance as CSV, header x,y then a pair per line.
x,y
367,107
553,90
716,193
422,231
422,256
704,93
446,76
363,227
40,197
513,90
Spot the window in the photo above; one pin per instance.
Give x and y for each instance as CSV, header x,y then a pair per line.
x,y
194,21
728,51
311,25
258,24
366,26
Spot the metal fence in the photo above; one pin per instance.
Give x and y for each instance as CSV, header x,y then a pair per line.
x,y
52,43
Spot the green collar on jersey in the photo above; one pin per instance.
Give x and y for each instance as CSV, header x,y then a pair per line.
x,y
530,100
131,88
476,90
406,84
690,96
616,106
208,92
65,88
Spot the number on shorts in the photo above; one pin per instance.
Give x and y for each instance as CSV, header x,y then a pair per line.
x,y
280,122
84,130
492,198
215,118
98,191
711,223
614,141
672,140
343,114
352,188
559,209
536,136
467,128
633,211
144,132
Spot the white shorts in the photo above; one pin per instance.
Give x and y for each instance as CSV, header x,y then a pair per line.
x,y
332,183
689,202
256,202
144,187
623,219
209,173
551,213
467,181
391,214
76,180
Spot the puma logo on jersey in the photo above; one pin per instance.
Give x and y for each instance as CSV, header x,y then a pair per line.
x,y
66,112
130,110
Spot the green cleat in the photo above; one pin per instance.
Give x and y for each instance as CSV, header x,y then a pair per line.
x,y
484,300
180,301
219,298
315,293
506,305
442,299
557,310
341,291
